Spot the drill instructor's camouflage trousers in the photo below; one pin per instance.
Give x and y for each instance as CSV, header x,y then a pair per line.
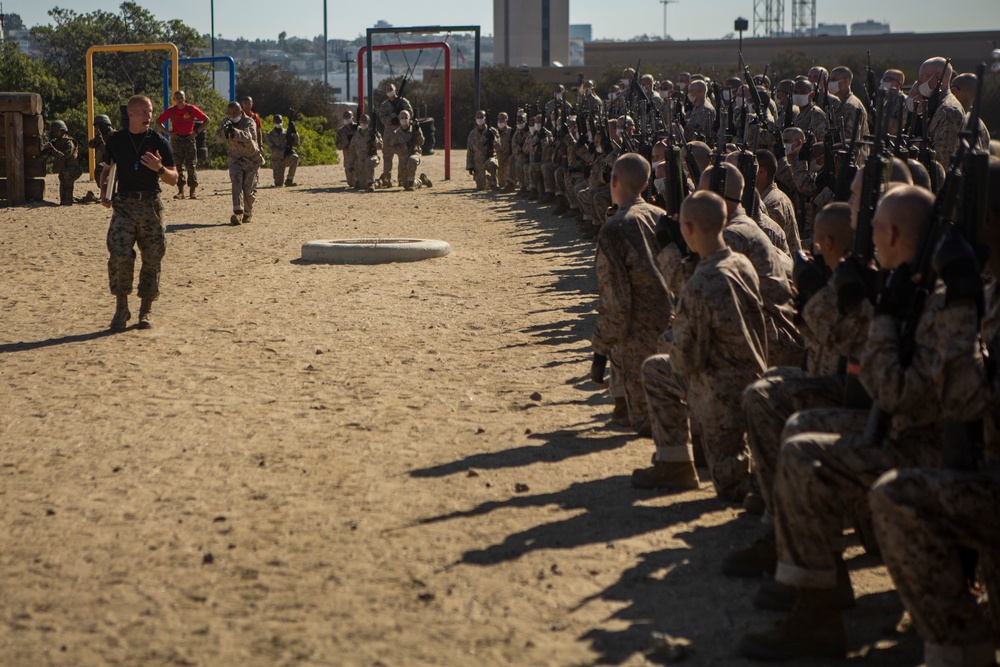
x,y
186,158
485,173
673,399
823,477
134,222
767,405
244,180
67,177
920,517
291,162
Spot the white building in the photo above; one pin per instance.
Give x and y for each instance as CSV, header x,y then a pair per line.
x,y
534,33
870,27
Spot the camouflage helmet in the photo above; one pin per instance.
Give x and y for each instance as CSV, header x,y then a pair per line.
x,y
102,120
58,125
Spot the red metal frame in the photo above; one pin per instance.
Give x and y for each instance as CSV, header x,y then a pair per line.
x,y
447,87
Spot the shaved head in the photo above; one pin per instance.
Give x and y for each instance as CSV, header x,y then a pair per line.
x,y
834,221
632,172
701,152
734,182
705,211
900,220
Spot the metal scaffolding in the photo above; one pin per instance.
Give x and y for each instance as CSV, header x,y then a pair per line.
x,y
769,18
803,18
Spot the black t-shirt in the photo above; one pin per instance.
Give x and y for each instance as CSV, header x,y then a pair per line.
x,y
125,149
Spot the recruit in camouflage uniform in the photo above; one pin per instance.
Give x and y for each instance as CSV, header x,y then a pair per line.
x,y
244,160
344,136
387,113
715,346
519,154
282,158
812,121
700,121
945,126
405,142
505,159
364,148
829,336
62,148
822,477
537,144
782,212
102,129
481,154
633,303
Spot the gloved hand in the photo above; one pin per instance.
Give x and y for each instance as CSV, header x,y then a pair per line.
x,y
853,282
778,149
668,231
897,294
597,368
809,276
956,263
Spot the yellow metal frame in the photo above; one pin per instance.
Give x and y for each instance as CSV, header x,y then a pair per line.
x,y
104,48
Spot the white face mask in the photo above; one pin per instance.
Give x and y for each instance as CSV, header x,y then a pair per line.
x,y
886,85
345,122
480,121
925,89
789,148
588,90
600,149
502,125
911,104
390,94
521,126
727,95
833,87
538,127
682,85
661,185
800,100
558,96
618,133
612,96
404,122
691,98
648,89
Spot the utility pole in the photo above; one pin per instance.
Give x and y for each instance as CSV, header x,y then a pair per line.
x,y
347,66
212,9
665,3
326,42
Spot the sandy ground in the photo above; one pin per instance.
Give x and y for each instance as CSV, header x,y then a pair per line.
x,y
303,464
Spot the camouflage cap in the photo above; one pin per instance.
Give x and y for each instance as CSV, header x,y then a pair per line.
x,y
58,125
102,120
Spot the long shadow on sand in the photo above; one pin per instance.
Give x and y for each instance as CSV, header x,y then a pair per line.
x,y
612,514
50,342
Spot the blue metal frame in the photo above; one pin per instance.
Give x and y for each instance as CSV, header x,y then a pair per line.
x,y
207,59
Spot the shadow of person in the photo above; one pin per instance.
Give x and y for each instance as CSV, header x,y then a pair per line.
x,y
50,342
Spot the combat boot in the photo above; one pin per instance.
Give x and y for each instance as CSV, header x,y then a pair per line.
x,y
667,475
621,409
247,217
236,218
290,183
776,596
191,193
180,192
561,205
426,181
759,558
120,321
815,628
145,306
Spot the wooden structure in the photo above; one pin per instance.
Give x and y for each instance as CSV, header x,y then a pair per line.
x,y
22,167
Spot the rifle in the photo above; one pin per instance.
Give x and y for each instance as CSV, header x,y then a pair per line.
x,y
291,134
491,141
748,159
850,280
871,86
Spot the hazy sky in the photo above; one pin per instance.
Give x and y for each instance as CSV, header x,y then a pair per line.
x,y
617,19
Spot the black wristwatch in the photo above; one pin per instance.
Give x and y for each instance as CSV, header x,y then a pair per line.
x,y
161,170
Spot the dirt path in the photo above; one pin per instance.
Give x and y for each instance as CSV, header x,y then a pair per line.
x,y
339,465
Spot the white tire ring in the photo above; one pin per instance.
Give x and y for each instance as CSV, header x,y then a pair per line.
x,y
373,251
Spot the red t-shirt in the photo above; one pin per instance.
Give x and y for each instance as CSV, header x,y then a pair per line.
x,y
182,120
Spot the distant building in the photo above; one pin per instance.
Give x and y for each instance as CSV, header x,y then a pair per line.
x,y
870,27
830,30
530,32
582,31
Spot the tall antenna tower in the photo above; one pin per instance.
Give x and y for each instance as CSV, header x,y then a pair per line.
x,y
803,17
769,18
